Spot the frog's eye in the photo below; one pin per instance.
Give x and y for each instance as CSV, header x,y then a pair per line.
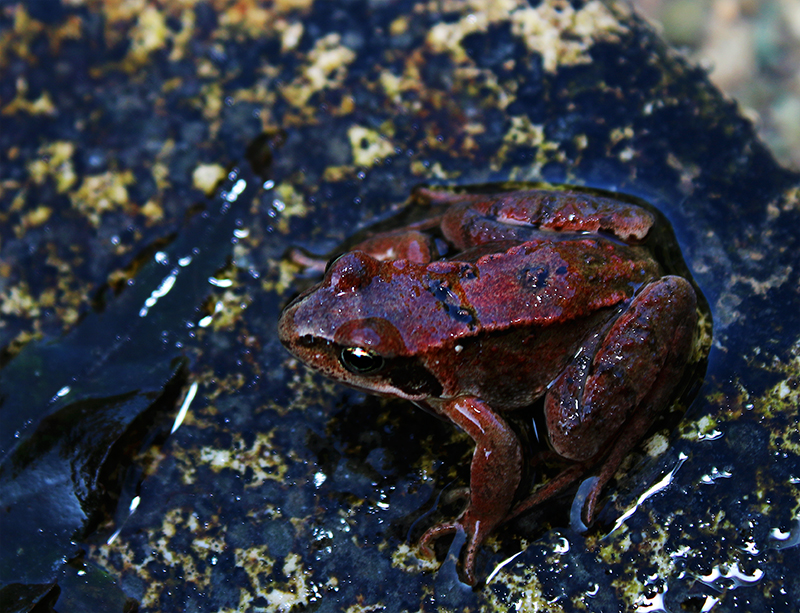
x,y
361,361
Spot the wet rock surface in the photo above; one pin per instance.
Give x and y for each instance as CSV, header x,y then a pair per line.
x,y
282,490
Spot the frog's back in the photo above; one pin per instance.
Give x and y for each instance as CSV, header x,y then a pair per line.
x,y
546,283
404,309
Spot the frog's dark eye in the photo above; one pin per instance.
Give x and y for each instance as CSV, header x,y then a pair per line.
x,y
361,361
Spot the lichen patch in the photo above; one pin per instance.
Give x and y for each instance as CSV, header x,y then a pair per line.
x,y
101,193
555,30
563,35
368,146
55,161
258,460
326,68
206,177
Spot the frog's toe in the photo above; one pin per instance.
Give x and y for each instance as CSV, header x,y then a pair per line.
x,y
474,537
590,504
426,542
459,494
469,561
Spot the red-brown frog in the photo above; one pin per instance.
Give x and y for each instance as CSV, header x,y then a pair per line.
x,y
544,293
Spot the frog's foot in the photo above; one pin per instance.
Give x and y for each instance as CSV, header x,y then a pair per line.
x,y
475,532
458,494
308,262
426,542
553,487
633,432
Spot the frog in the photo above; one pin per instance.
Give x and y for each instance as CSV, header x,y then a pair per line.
x,y
496,303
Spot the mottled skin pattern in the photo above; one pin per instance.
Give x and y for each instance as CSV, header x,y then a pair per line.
x,y
543,294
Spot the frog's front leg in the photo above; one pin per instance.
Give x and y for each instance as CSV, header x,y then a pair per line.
x,y
495,475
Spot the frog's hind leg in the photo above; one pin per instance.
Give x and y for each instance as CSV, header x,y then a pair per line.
x,y
664,314
605,410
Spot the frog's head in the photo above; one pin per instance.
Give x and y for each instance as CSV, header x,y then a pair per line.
x,y
345,328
